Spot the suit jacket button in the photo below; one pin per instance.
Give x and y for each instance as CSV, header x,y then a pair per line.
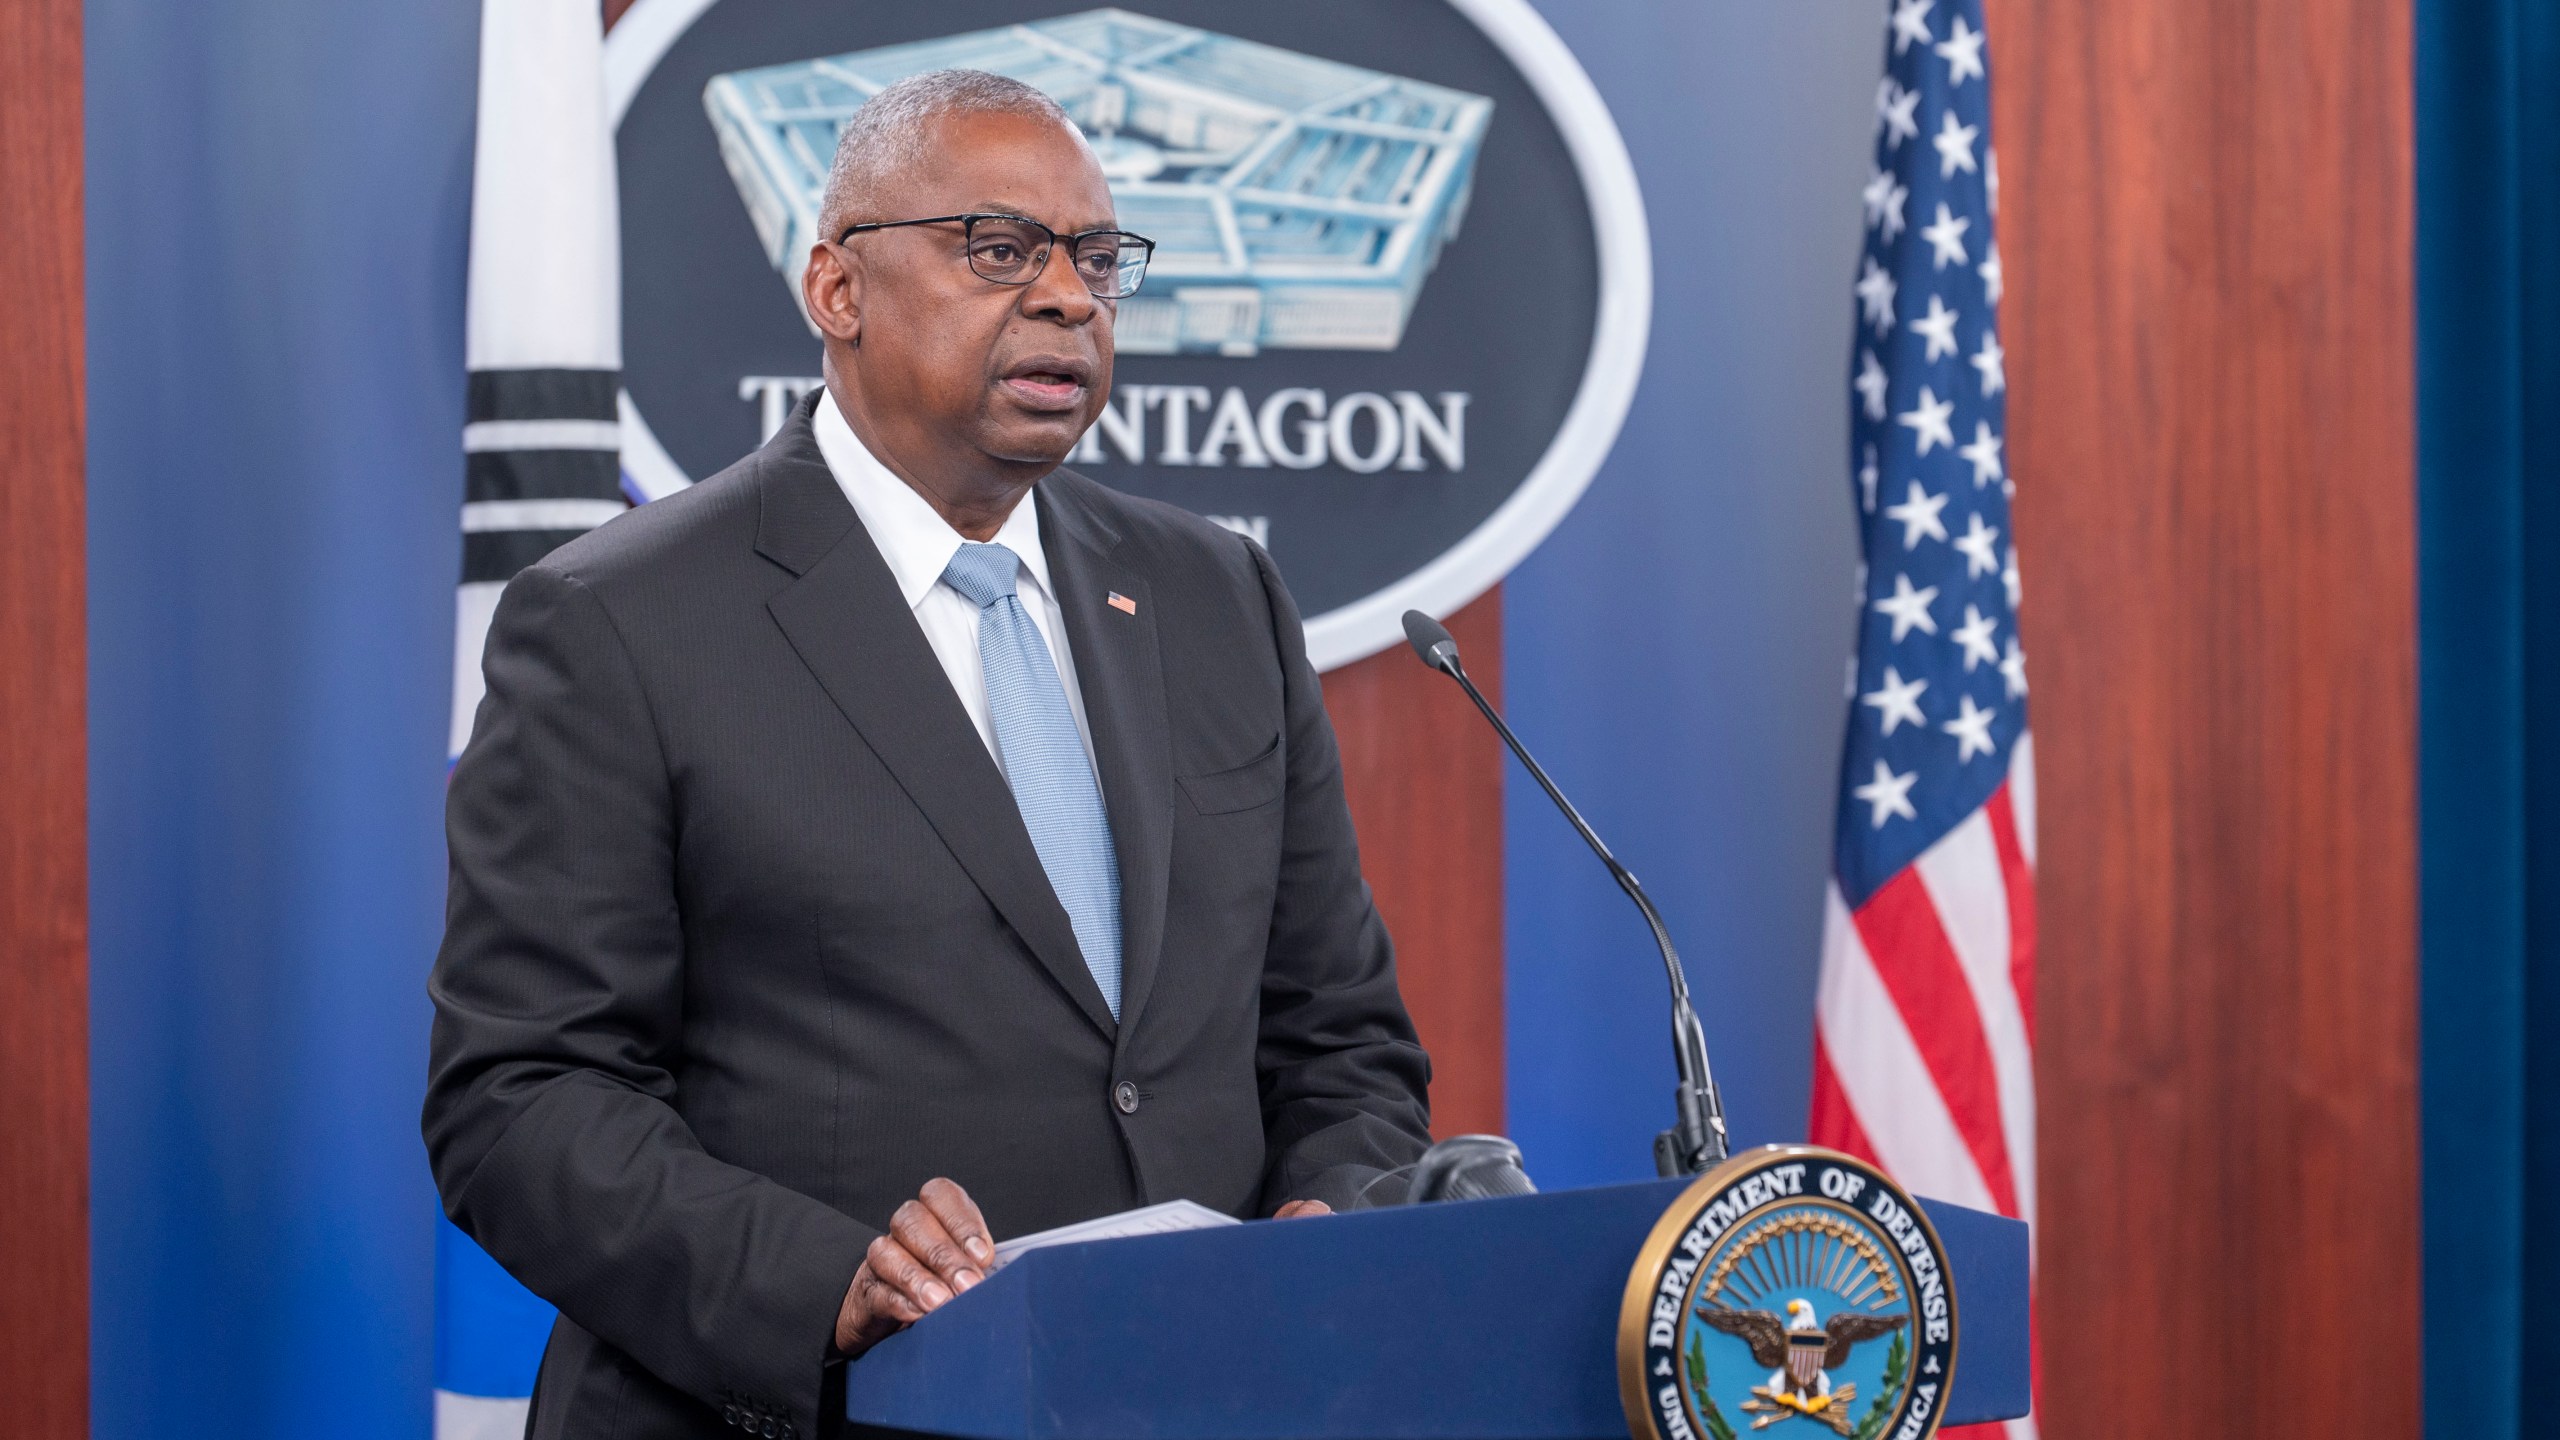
x,y
1125,1095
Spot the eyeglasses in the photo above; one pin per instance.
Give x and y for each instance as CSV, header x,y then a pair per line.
x,y
1012,250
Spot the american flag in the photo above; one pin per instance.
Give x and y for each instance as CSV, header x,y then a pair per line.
x,y
1924,1030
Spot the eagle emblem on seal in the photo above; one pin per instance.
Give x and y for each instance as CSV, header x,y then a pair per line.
x,y
1800,1354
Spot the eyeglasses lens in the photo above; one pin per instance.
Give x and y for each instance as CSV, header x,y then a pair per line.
x,y
1005,250
1010,252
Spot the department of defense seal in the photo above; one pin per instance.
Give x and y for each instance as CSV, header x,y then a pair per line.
x,y
1788,1284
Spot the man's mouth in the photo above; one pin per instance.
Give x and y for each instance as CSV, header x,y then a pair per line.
x,y
1048,382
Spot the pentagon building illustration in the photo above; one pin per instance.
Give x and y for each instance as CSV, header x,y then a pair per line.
x,y
1296,203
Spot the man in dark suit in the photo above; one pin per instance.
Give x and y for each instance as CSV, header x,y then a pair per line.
x,y
896,842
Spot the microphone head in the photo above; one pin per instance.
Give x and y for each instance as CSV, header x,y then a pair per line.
x,y
1468,1167
1431,641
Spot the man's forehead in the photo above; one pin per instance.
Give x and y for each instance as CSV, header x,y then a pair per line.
x,y
995,162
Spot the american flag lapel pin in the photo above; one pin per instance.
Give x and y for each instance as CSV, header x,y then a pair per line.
x,y
1121,603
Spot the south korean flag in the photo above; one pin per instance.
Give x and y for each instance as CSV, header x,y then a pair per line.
x,y
542,457
541,466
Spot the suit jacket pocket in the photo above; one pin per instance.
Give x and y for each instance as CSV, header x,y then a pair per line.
x,y
1249,786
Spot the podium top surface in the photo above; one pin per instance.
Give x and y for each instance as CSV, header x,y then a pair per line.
x,y
1481,1320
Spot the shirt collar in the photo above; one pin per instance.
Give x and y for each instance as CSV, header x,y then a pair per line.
x,y
913,537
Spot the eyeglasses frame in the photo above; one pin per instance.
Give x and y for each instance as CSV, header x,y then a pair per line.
x,y
969,224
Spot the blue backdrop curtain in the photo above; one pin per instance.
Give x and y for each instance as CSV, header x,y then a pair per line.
x,y
2488,105
277,197
1675,646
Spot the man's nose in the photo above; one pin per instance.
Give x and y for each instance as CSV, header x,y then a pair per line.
x,y
1057,291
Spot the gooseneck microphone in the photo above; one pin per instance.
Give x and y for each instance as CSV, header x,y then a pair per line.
x,y
1696,1140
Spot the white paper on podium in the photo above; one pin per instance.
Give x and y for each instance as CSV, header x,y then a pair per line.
x,y
1162,1219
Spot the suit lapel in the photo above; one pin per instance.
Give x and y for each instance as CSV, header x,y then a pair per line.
x,y
850,624
1121,676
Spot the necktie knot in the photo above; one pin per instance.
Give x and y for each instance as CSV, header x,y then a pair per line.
x,y
984,573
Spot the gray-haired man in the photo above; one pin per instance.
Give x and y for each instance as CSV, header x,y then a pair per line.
x,y
854,863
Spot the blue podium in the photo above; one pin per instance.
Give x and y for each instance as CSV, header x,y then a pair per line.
x,y
1477,1320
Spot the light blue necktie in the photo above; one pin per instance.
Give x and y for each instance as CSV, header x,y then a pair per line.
x,y
1044,759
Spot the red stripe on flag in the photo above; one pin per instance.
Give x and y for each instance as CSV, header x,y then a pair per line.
x,y
2019,879
1833,1123
1926,981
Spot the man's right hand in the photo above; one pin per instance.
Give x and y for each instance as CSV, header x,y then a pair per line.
x,y
937,1246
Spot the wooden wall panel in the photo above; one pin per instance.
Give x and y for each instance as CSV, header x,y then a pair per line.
x,y
1425,776
44,1092
2206,227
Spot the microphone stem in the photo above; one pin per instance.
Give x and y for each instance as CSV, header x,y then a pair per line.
x,y
1700,1133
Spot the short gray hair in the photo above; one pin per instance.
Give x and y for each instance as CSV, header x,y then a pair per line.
x,y
889,134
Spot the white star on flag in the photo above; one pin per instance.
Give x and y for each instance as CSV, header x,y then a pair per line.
x,y
1955,146
1884,197
1889,793
1867,488
1909,608
1993,362
1929,421
1989,270
1871,383
1875,292
1898,111
1976,543
1962,50
1975,636
1984,452
1911,23
1972,729
1938,327
2013,669
2008,573
1897,701
1919,516
1946,237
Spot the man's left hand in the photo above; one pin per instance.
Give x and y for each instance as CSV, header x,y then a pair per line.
x,y
1299,1209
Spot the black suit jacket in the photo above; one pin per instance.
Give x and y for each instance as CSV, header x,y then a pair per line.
x,y
746,939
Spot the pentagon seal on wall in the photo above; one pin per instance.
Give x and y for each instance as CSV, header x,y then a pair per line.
x,y
1790,1289
1401,284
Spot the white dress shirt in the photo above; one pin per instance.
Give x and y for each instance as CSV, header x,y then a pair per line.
x,y
918,543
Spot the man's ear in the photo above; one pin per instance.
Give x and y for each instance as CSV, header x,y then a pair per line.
x,y
831,293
